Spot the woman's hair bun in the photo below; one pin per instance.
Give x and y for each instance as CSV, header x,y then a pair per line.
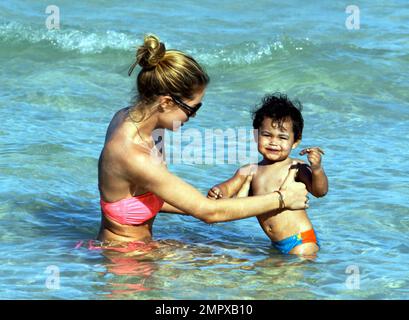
x,y
151,52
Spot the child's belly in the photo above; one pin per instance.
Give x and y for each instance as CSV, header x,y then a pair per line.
x,y
285,224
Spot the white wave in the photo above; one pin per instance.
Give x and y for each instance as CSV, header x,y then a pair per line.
x,y
68,39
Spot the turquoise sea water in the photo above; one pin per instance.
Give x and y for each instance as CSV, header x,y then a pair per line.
x,y
60,88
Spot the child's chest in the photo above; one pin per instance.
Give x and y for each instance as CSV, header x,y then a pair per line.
x,y
268,179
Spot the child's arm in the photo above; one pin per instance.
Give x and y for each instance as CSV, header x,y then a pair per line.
x,y
313,175
230,187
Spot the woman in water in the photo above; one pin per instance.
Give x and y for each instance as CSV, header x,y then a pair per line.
x,y
133,179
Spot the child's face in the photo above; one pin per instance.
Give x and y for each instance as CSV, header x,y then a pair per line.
x,y
276,142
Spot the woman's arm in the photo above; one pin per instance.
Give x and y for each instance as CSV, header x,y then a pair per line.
x,y
167,208
186,198
242,192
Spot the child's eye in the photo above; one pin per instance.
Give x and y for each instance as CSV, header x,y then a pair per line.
x,y
283,137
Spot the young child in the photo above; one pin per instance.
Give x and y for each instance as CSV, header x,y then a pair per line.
x,y
278,125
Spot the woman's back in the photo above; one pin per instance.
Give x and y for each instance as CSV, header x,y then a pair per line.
x,y
119,145
116,190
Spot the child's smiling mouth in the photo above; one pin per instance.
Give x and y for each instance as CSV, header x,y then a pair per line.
x,y
273,150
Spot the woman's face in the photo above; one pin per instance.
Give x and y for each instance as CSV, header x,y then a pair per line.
x,y
177,114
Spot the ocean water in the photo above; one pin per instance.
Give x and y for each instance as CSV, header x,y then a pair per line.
x,y
59,88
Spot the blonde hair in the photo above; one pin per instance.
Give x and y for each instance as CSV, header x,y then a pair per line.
x,y
166,72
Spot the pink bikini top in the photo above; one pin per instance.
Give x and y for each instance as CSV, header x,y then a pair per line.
x,y
133,211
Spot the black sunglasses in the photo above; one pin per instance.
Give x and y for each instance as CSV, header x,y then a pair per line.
x,y
190,111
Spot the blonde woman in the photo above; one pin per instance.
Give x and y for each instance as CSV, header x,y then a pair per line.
x,y
134,186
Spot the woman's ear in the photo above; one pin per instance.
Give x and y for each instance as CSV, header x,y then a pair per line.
x,y
165,104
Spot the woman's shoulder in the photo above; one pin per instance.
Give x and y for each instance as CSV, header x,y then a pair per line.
x,y
122,112
128,163
128,151
117,119
138,156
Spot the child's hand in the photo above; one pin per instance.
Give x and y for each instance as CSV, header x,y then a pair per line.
x,y
215,193
314,156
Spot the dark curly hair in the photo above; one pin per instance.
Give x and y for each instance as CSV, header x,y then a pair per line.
x,y
279,108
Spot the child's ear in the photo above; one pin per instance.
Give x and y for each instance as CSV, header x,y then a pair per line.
x,y
295,144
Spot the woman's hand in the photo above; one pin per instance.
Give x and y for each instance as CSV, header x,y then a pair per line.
x,y
294,193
